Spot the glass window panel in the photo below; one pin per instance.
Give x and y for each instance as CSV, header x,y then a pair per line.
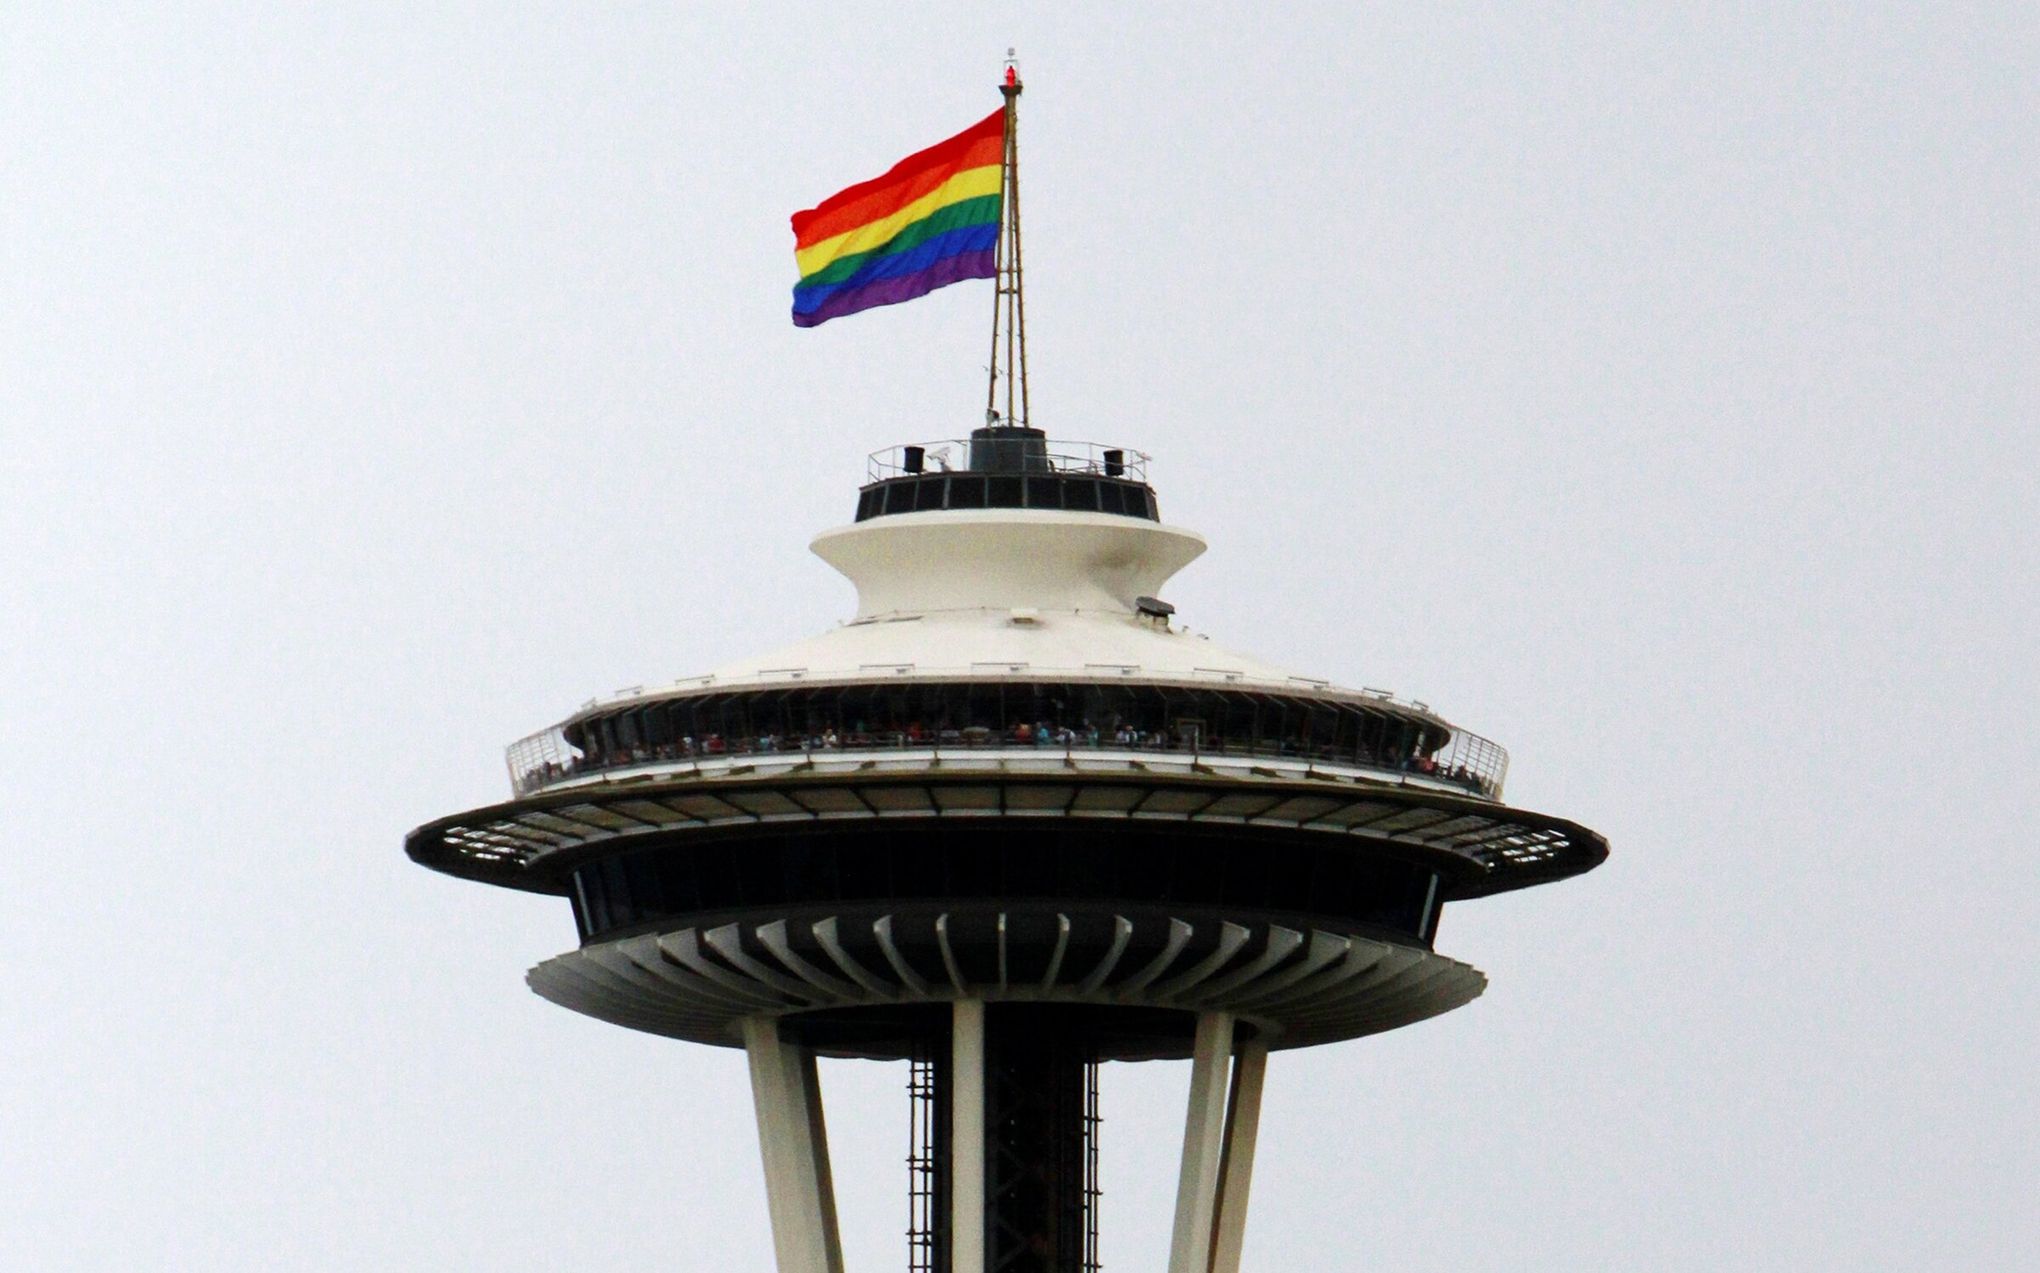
x,y
966,492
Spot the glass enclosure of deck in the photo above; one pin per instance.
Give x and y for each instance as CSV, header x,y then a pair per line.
x,y
958,715
1007,468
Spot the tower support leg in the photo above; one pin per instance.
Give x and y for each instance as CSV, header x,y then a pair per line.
x,y
967,1137
793,1141
1236,1169
1203,1145
818,1140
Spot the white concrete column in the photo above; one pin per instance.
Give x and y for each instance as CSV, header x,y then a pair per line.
x,y
967,1137
761,1049
788,1105
818,1138
1203,1144
1236,1170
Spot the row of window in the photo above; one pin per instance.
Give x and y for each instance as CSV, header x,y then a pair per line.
x,y
1074,862
925,711
1060,491
1065,715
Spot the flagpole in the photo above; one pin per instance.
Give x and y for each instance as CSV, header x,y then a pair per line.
x,y
1009,306
999,272
1017,316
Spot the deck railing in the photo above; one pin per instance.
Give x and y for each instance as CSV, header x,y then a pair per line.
x,y
952,455
1468,761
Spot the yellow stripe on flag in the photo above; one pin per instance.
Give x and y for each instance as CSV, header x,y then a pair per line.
x,y
971,183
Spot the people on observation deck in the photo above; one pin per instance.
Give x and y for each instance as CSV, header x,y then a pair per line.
x,y
1040,732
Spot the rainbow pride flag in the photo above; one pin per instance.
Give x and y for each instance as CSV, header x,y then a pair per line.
x,y
930,221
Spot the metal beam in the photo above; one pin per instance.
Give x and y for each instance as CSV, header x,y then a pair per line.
x,y
818,1138
1236,1169
791,1140
1203,1144
967,1137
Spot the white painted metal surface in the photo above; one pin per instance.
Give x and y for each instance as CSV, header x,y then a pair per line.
x,y
1236,1170
960,560
1104,644
937,594
1203,1144
824,1177
967,1137
791,1141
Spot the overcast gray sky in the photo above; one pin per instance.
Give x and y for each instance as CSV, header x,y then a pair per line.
x,y
1652,390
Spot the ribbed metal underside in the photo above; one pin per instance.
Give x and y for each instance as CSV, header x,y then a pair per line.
x,y
1298,987
533,843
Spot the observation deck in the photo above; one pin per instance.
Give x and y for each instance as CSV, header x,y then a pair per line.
x,y
1008,715
1009,663
1007,468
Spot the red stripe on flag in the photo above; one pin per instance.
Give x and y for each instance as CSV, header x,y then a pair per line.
x,y
981,143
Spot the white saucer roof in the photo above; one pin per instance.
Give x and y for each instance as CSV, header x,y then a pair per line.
x,y
1005,594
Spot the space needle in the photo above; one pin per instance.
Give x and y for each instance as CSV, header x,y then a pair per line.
x,y
1008,822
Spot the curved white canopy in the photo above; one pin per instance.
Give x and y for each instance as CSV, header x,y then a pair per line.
x,y
1005,591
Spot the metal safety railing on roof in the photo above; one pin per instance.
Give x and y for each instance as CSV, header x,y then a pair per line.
x,y
952,455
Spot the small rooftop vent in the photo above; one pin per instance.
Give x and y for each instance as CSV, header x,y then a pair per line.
x,y
1153,607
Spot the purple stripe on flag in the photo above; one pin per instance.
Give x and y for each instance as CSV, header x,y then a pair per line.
x,y
891,291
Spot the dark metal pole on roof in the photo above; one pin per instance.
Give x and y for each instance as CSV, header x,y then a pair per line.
x,y
998,296
1017,318
1009,305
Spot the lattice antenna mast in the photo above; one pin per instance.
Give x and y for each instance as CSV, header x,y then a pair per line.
x,y
1009,303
